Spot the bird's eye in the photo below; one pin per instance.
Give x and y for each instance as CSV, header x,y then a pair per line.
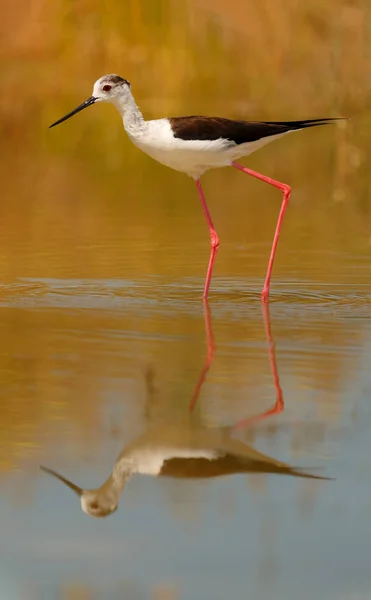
x,y
106,88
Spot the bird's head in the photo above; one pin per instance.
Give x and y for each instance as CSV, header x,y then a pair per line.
x,y
93,502
109,88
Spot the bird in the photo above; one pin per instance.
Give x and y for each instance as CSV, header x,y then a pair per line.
x,y
194,144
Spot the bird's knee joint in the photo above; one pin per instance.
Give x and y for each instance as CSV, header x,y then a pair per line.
x,y
214,240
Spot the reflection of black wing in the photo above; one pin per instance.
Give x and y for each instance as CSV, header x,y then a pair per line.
x,y
198,468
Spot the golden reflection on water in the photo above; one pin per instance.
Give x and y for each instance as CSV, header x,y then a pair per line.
x,y
103,252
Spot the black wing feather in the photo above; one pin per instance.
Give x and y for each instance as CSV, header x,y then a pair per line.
x,y
240,132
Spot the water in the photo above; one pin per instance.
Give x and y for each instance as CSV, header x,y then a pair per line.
x,y
105,338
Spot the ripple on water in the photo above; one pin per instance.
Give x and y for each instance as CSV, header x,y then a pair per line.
x,y
235,297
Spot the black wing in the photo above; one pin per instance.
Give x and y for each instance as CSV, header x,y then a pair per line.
x,y
239,132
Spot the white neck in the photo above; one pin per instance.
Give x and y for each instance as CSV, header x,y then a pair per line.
x,y
131,115
112,488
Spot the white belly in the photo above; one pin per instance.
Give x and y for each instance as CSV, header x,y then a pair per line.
x,y
190,160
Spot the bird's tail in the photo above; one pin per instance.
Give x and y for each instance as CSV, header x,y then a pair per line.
x,y
299,472
278,468
292,125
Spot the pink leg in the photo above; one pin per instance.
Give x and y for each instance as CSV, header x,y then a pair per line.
x,y
286,190
279,403
209,357
214,240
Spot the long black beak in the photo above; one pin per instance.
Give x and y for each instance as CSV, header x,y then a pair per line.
x,y
85,104
79,491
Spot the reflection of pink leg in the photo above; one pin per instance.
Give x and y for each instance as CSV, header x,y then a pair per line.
x,y
279,404
286,191
209,357
214,240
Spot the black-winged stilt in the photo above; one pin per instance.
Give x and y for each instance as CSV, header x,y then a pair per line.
x,y
194,144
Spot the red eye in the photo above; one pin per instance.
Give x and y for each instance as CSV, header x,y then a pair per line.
x,y
106,88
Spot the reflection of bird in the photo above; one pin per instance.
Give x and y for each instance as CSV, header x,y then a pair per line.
x,y
177,451
195,144
186,449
